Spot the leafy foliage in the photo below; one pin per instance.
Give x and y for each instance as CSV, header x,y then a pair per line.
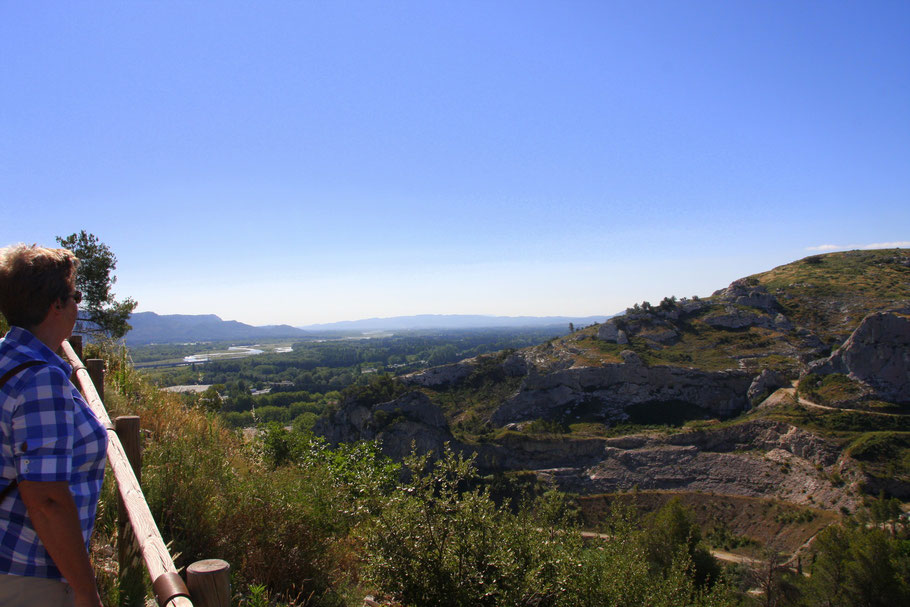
x,y
834,389
102,314
673,529
380,389
281,524
857,566
298,518
438,541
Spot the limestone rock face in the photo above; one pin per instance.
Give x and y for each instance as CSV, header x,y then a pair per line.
x,y
610,331
631,358
737,318
613,387
416,407
517,452
760,459
435,377
764,384
742,293
515,366
410,419
665,337
691,306
782,323
733,318
876,354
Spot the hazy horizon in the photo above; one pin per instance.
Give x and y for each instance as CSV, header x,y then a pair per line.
x,y
557,318
302,163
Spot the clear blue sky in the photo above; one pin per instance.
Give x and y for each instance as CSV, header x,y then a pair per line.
x,y
301,162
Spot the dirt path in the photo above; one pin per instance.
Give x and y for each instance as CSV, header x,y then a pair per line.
x,y
720,555
788,395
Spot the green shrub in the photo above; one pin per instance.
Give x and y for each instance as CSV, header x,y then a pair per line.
x,y
879,446
438,542
833,389
857,566
544,426
279,510
672,531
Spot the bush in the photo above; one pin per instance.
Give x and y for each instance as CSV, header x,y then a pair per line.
x,y
435,543
671,532
857,566
439,542
279,510
300,521
879,446
833,389
545,426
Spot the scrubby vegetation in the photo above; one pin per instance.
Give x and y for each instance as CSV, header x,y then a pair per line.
x,y
835,423
438,542
830,294
307,523
303,523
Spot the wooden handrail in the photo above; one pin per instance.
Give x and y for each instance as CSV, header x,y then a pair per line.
x,y
154,552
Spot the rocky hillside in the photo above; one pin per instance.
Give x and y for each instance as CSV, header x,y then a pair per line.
x,y
674,396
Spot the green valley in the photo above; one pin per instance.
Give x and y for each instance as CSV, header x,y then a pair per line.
x,y
733,441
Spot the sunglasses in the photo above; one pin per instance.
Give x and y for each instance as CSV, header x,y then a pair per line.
x,y
76,295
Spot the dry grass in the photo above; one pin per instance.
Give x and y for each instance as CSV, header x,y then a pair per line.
x,y
830,294
213,497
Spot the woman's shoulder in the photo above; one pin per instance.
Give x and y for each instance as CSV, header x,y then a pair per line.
x,y
33,374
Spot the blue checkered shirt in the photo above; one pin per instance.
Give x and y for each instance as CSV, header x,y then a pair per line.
x,y
47,433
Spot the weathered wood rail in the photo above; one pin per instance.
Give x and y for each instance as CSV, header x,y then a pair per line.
x,y
209,580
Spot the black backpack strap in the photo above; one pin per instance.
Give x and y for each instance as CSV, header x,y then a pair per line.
x,y
6,377
7,489
12,372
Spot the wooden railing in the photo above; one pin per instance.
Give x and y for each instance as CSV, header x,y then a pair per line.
x,y
208,581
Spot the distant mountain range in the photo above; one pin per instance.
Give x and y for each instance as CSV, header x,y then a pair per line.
x,y
452,321
149,327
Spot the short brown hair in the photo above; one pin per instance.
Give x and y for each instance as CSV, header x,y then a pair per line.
x,y
31,279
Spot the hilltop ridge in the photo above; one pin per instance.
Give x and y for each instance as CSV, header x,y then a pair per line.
x,y
641,399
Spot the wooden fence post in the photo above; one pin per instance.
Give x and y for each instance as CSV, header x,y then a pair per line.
x,y
76,343
209,583
95,368
132,574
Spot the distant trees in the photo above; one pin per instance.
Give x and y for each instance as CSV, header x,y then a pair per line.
x,y
210,399
857,565
100,314
442,355
644,307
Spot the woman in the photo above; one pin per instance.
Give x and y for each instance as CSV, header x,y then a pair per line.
x,y
52,447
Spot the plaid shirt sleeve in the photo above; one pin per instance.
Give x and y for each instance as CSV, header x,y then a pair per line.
x,y
42,427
